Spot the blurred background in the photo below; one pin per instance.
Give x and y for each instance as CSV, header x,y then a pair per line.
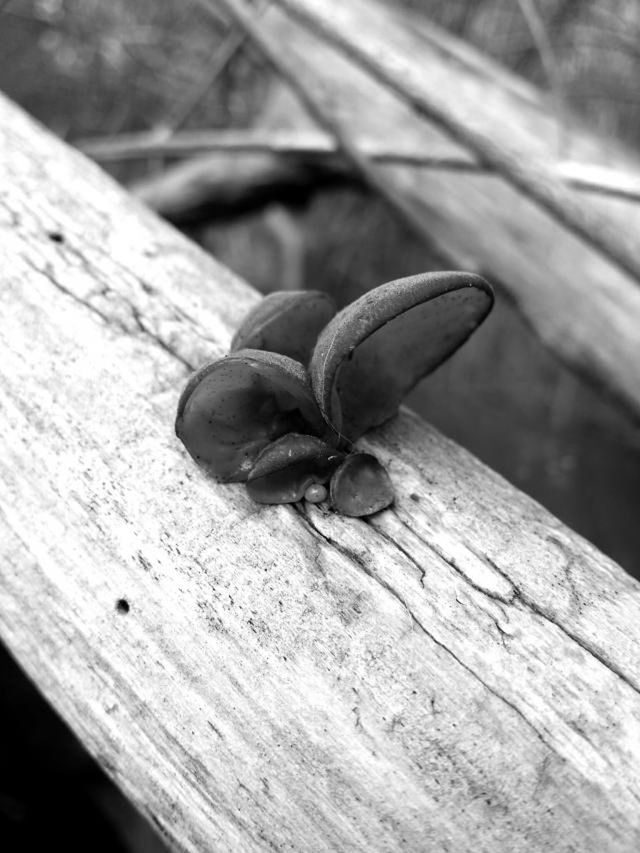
x,y
87,68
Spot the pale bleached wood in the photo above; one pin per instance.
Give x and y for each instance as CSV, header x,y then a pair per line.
x,y
460,672
569,289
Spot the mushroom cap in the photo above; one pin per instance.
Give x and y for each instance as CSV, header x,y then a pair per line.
x,y
287,322
361,486
287,467
375,350
233,407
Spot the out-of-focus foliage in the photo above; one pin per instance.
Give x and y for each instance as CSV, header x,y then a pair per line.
x,y
595,46
90,67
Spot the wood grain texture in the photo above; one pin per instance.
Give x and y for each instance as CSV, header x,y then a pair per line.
x,y
460,672
577,300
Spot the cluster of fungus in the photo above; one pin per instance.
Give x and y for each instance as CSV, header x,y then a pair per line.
x,y
302,383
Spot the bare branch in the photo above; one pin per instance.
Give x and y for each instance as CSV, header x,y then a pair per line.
x,y
316,102
548,60
318,145
532,177
223,57
312,143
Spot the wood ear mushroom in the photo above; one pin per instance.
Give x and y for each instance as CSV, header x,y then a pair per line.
x,y
257,415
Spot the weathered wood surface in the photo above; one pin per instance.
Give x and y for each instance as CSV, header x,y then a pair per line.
x,y
459,673
577,300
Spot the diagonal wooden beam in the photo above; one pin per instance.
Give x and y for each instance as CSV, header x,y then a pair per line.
x,y
460,672
528,174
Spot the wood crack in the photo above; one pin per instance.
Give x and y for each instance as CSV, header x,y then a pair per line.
x,y
450,561
110,320
584,645
362,564
518,596
165,345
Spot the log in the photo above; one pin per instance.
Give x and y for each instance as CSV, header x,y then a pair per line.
x,y
459,672
217,187
580,294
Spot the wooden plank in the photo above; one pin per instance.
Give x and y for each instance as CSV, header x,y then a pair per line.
x,y
573,294
460,672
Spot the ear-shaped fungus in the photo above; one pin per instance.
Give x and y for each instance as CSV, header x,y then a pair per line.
x,y
375,350
287,322
232,408
286,468
361,486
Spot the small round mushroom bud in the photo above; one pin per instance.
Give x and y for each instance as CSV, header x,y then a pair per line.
x,y
315,494
360,486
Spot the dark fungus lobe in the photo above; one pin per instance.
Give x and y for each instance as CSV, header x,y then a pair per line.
x,y
286,322
361,486
286,469
232,408
255,416
375,350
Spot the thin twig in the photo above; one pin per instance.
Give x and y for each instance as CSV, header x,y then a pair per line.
x,y
532,177
542,44
587,177
225,53
315,102
307,143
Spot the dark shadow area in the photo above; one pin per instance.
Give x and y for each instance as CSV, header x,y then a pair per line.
x,y
53,795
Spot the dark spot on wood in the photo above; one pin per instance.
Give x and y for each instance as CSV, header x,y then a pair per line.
x,y
159,825
146,565
415,498
56,236
122,606
215,729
